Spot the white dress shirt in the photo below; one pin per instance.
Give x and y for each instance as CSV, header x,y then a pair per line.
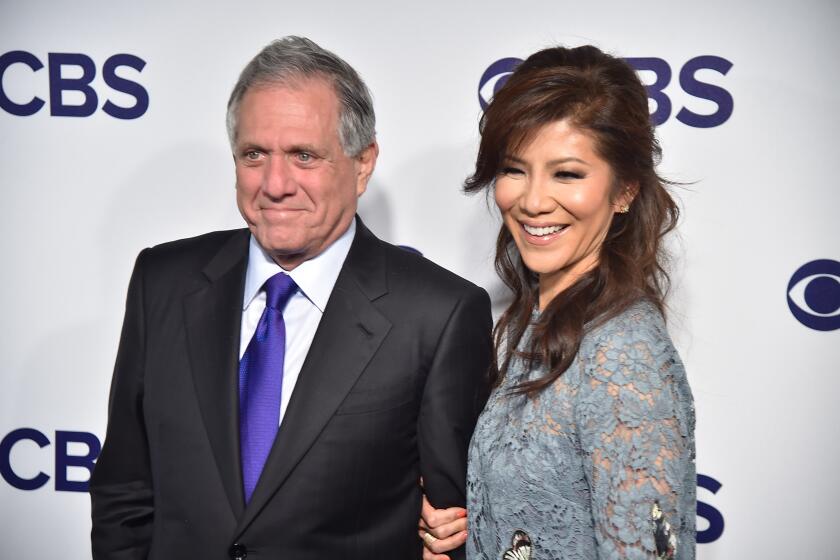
x,y
315,279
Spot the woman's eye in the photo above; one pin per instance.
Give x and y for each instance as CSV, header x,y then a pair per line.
x,y
511,171
568,175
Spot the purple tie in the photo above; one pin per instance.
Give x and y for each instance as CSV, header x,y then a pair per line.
x,y
261,381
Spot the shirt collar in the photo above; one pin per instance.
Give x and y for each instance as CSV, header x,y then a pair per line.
x,y
315,277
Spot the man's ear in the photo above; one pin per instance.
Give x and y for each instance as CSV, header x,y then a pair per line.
x,y
366,162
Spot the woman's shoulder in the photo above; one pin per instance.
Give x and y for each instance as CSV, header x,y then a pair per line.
x,y
636,334
641,317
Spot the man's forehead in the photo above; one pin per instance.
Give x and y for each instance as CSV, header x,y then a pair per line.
x,y
303,105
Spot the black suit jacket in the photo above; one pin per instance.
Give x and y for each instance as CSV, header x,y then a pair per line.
x,y
390,390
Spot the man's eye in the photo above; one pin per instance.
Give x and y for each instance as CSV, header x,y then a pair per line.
x,y
252,155
304,157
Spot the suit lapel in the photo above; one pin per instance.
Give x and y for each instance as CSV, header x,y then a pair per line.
x,y
213,315
349,334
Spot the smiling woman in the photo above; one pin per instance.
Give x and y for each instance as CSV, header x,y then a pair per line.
x,y
585,449
556,199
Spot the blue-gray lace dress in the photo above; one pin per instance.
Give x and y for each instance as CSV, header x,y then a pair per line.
x,y
600,465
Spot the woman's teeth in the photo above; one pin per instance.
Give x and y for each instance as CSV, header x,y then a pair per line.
x,y
541,231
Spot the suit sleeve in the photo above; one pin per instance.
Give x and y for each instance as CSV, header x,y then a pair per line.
x,y
122,506
455,393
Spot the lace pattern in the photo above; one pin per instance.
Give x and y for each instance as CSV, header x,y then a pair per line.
x,y
598,466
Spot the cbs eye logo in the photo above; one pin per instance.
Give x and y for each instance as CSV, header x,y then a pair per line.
x,y
494,78
813,295
410,249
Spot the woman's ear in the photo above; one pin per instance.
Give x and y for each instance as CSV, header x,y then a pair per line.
x,y
625,198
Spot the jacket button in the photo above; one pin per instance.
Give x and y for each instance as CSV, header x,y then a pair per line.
x,y
238,552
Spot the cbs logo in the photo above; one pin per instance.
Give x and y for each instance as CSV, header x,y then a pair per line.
x,y
497,74
64,89
18,472
813,295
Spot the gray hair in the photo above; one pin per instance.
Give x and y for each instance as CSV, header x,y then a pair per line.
x,y
291,59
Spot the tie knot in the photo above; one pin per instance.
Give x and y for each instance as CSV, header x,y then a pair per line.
x,y
278,289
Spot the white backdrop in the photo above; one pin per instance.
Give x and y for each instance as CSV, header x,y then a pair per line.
x,y
82,195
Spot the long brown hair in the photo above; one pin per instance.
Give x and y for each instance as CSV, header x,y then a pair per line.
x,y
602,95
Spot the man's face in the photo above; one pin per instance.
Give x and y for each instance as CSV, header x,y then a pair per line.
x,y
295,187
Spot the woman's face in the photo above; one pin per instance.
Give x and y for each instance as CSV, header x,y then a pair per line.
x,y
555,196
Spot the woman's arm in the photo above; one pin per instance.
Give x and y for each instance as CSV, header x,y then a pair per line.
x,y
636,424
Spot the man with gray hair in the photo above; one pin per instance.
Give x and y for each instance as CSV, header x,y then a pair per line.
x,y
280,390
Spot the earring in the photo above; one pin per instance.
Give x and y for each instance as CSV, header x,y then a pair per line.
x,y
624,208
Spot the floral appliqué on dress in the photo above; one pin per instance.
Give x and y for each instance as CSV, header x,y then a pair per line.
x,y
666,540
520,547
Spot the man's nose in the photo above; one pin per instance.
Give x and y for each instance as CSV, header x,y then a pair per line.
x,y
278,181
